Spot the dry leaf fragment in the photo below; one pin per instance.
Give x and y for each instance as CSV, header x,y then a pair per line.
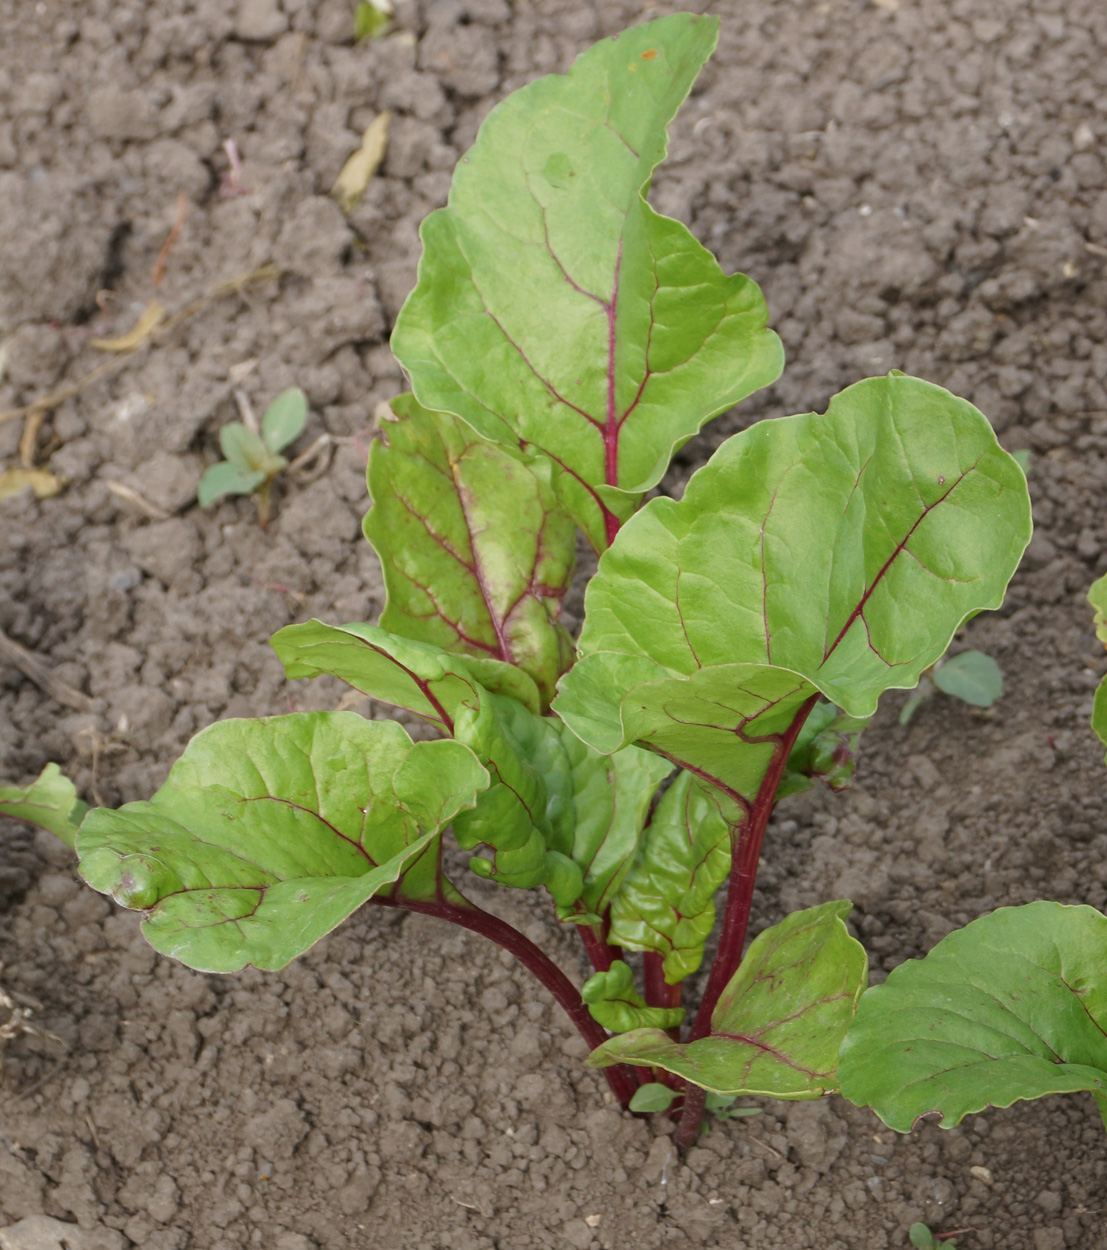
x,y
152,317
351,183
44,484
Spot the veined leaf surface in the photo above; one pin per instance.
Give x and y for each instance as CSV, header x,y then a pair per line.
x,y
268,833
615,1003
555,311
476,551
779,1022
835,553
50,802
666,903
1012,1006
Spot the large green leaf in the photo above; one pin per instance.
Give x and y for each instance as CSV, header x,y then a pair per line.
x,y
615,1003
555,311
270,832
836,553
476,552
780,1020
1012,1006
666,904
50,802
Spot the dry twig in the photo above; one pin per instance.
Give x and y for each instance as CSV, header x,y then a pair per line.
x,y
39,672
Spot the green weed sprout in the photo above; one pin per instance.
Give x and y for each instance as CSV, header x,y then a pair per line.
x,y
253,459
971,676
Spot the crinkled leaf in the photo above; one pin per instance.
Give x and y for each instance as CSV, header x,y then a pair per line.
x,y
972,677
268,833
555,311
452,691
667,902
826,749
245,449
838,553
284,419
778,1024
1012,1006
224,478
477,554
611,796
617,1005
523,816
50,802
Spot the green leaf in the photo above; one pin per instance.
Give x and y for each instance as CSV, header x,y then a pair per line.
x,y
667,902
915,701
836,553
1022,459
779,1022
1012,1006
1097,597
370,20
617,1005
412,675
50,802
245,450
555,311
826,749
652,1097
284,419
224,478
268,833
972,677
517,746
476,552
611,796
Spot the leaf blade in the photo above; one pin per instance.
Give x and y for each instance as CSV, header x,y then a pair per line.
x,y
269,833
476,552
50,802
1012,1006
285,419
639,363
780,1020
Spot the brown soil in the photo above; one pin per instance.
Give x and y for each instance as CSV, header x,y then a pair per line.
x,y
917,185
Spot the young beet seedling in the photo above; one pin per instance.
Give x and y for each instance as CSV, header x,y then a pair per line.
x,y
1013,1006
562,340
253,456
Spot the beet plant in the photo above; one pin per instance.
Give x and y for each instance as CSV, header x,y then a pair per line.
x,y
562,341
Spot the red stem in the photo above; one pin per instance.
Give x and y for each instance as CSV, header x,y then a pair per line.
x,y
746,842
599,952
691,1117
622,1080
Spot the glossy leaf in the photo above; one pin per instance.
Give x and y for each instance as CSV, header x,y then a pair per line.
x,y
667,902
477,554
972,677
1012,1006
836,553
268,833
617,1005
780,1020
611,796
50,802
224,478
284,419
555,311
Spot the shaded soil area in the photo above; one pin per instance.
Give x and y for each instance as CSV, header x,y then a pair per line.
x,y
915,185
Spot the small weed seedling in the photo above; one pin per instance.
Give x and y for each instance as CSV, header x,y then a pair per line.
x,y
253,456
562,340
923,1239
372,19
970,676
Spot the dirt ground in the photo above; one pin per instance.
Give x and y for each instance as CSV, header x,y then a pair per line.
x,y
916,184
